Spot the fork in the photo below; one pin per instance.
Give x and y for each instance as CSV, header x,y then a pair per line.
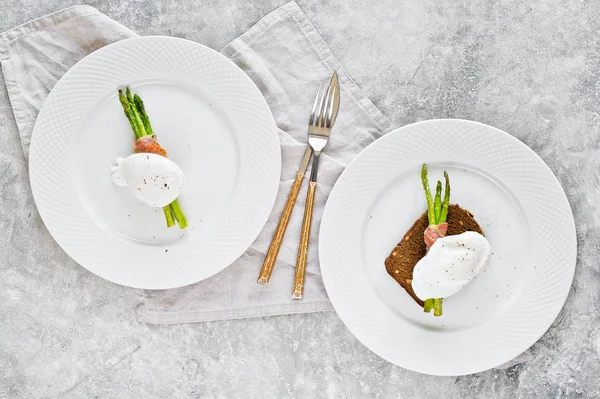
x,y
269,262
322,118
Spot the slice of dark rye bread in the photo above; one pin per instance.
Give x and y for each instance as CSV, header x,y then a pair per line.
x,y
411,249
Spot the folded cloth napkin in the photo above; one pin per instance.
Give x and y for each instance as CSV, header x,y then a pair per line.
x,y
36,54
286,58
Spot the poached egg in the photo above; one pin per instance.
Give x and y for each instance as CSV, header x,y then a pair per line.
x,y
451,263
151,178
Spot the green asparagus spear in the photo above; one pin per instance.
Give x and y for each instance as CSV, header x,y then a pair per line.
x,y
132,113
138,119
444,214
142,110
179,214
428,305
425,181
169,216
437,203
129,98
437,306
130,117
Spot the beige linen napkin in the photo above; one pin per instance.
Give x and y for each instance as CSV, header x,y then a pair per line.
x,y
36,54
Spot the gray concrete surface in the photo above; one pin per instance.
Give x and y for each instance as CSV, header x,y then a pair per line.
x,y
530,68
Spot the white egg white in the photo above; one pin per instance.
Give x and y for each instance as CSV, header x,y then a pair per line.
x,y
153,179
451,263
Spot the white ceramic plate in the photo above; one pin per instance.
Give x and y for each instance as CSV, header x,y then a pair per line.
x,y
213,122
517,201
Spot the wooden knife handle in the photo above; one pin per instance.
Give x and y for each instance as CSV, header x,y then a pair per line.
x,y
304,238
269,263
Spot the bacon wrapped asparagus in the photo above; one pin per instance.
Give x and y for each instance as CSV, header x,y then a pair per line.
x,y
146,142
437,212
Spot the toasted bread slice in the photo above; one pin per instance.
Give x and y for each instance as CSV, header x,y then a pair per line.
x,y
411,249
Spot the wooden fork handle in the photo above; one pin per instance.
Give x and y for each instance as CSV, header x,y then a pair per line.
x,y
304,238
269,263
